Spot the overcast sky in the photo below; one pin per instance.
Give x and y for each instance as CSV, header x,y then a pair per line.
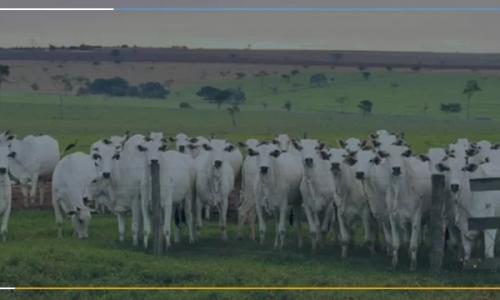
x,y
464,32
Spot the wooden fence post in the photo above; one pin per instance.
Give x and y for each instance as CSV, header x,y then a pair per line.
x,y
157,215
437,224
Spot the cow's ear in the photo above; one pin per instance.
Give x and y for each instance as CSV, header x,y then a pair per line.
x,y
106,141
242,145
373,135
252,152
470,152
470,168
275,153
163,148
376,160
11,137
350,161
193,140
407,153
401,135
321,146
398,142
342,143
96,156
148,139
141,148
12,155
383,154
275,142
229,148
442,167
207,147
325,155
171,139
296,145
363,143
376,143
495,147
366,147
423,157
116,156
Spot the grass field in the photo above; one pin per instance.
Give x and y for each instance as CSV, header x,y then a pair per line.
x,y
33,256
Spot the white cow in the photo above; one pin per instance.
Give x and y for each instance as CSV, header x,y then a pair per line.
x,y
408,197
177,179
250,171
33,159
6,137
467,205
371,170
105,155
5,191
316,187
284,144
277,188
214,181
352,144
351,200
71,191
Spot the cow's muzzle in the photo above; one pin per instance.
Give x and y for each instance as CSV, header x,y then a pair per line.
x,y
217,164
454,188
335,167
3,171
182,149
360,175
106,175
308,162
264,170
396,171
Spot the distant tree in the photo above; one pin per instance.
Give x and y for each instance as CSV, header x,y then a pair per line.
x,y
361,68
341,101
287,106
294,72
233,110
365,106
185,105
34,86
218,96
153,90
261,75
318,80
286,77
470,88
366,75
451,107
388,68
4,73
240,75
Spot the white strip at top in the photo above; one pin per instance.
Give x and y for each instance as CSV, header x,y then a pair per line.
x,y
56,9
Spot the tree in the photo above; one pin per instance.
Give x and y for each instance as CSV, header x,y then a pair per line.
x,y
287,106
318,80
471,87
4,73
153,89
233,110
286,77
294,72
451,107
240,75
365,106
366,75
185,105
341,101
218,96
261,74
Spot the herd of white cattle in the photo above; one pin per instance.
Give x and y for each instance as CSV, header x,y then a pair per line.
x,y
379,181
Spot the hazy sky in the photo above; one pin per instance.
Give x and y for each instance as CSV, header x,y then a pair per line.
x,y
464,32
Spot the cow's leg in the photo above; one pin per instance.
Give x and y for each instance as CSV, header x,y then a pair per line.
x,y
327,220
368,230
207,212
298,224
58,215
282,223
467,245
416,226
5,222
276,229
242,217
25,193
167,223
41,193
199,222
344,235
395,240
223,217
121,225
489,243
188,201
146,223
34,187
262,223
386,227
312,225
251,220
136,220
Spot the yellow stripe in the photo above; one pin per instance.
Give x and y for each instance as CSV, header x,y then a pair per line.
x,y
244,289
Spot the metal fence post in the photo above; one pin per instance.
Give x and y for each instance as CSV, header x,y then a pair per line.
x,y
437,222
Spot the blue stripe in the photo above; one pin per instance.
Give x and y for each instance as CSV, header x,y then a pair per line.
x,y
311,9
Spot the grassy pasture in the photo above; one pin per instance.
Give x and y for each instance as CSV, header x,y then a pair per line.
x,y
33,256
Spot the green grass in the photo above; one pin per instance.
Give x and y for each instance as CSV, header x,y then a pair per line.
x,y
33,256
